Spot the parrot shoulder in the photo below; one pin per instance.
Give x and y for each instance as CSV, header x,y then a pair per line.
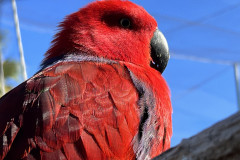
x,y
73,110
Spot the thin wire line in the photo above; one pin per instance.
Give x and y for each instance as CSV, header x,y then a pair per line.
x,y
2,78
203,60
204,18
236,76
200,84
23,64
208,26
3,91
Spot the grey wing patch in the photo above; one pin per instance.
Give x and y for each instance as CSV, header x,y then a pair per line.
x,y
142,142
74,58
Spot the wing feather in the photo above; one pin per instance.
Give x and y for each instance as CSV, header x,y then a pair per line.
x,y
71,110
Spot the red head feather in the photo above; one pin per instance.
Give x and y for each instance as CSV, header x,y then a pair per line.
x,y
96,30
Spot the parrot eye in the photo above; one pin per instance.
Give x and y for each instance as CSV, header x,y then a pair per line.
x,y
125,23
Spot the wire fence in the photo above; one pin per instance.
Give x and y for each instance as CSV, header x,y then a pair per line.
x,y
185,24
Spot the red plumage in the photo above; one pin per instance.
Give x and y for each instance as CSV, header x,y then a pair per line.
x,y
96,96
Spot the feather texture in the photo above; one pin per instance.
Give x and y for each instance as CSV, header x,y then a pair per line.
x,y
71,110
102,102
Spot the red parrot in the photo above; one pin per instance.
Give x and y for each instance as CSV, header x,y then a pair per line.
x,y
99,93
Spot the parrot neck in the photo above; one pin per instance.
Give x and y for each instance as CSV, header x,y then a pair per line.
x,y
74,58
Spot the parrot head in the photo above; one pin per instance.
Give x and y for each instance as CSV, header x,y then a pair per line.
x,y
112,29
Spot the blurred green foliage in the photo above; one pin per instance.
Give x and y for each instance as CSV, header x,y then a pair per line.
x,y
11,67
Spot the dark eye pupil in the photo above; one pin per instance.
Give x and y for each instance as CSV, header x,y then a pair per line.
x,y
125,23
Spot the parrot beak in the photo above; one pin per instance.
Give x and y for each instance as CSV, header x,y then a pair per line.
x,y
159,51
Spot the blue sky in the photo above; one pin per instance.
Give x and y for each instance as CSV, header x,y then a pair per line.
x,y
197,32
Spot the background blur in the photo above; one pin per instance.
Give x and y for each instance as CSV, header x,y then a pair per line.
x,y
204,41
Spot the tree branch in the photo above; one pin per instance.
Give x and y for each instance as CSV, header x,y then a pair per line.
x,y
219,142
